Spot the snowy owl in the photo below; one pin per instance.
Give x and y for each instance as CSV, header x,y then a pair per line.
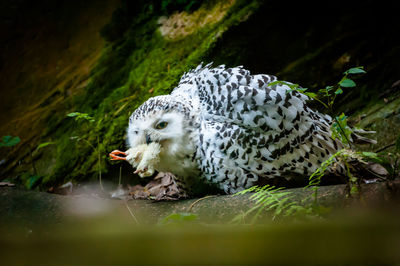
x,y
228,128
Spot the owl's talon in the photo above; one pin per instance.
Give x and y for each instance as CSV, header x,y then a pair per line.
x,y
114,155
138,171
141,171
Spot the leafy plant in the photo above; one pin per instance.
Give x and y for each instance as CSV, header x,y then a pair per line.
x,y
340,129
315,178
84,116
279,203
81,116
327,97
340,157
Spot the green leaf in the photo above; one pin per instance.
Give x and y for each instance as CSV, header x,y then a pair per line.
x,y
72,114
353,190
42,145
6,138
279,83
355,70
369,154
311,94
338,91
326,90
78,116
342,117
179,218
347,83
32,181
293,87
301,89
9,141
340,129
374,157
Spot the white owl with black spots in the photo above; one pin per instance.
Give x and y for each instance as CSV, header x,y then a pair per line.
x,y
226,127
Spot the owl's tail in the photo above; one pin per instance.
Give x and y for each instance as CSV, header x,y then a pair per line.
x,y
355,166
346,163
358,139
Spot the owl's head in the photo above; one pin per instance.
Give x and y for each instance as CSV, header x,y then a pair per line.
x,y
163,120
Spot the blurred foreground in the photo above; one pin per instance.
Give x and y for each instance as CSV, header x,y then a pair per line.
x,y
46,229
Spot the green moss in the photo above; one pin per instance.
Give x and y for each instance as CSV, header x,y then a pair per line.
x,y
136,64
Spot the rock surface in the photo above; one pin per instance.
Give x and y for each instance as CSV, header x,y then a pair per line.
x,y
31,207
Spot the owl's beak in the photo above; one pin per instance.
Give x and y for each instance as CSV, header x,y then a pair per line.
x,y
148,139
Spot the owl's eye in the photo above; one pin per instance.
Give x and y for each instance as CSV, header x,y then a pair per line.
x,y
161,125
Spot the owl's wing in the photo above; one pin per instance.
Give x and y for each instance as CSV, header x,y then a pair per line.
x,y
235,96
263,129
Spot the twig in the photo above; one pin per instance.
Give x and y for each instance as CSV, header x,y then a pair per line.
x,y
133,216
194,203
344,134
98,155
385,147
119,180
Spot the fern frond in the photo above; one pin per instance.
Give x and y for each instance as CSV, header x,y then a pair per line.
x,y
269,199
